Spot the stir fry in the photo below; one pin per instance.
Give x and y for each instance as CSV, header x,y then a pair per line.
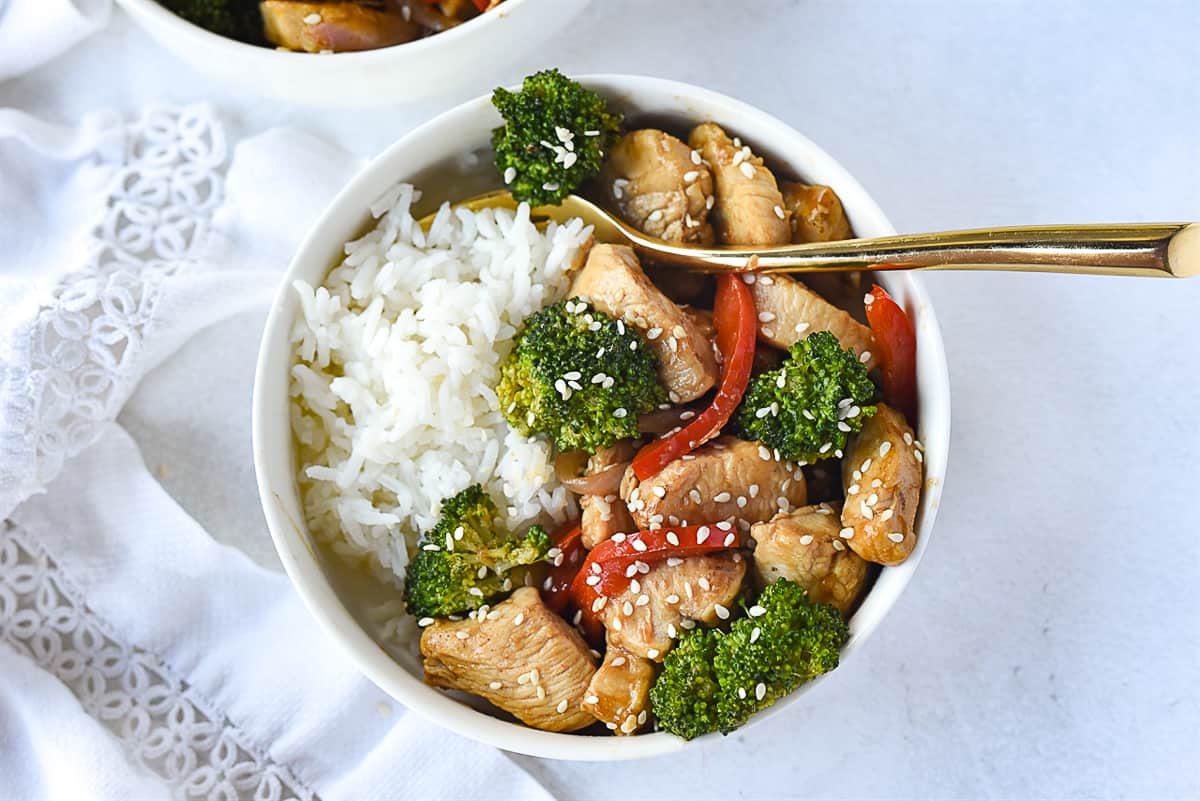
x,y
328,26
742,448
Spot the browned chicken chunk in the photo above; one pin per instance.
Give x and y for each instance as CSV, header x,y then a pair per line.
x,y
727,479
749,206
806,547
788,311
882,477
520,656
614,283
816,213
659,187
619,694
605,515
334,26
671,597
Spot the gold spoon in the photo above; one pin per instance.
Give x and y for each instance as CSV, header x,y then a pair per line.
x,y
1162,250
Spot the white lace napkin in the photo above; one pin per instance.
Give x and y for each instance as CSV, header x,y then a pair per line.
x,y
35,31
139,658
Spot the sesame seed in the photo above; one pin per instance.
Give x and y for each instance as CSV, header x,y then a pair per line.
x,y
868,299
642,600
672,598
523,678
627,608
842,426
519,619
847,533
779,212
884,447
755,633
672,632
312,19
690,176
753,490
629,725
633,345
747,169
591,699
919,456
725,525
562,706
599,603
721,611
872,499
709,201
730,539
621,327
865,356
687,589
620,535
548,583
807,414
704,583
616,624
674,561
702,535
837,545
867,511
766,316
620,660
495,685
638,545
550,187
761,413
806,539
886,515
510,175
722,497
541,693
768,332
696,157
824,448
619,413
756,611
661,492
760,691
651,653
425,621
866,465
896,536
741,692
687,624
478,593
430,547
462,635
741,501
908,440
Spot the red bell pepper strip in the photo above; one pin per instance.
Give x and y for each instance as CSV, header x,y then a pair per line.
x,y
612,564
735,322
567,560
896,342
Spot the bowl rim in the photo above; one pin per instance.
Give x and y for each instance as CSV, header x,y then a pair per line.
x,y
365,58
305,571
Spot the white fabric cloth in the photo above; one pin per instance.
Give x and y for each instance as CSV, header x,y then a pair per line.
x,y
34,31
139,657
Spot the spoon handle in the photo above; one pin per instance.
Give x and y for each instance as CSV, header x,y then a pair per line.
x,y
1135,249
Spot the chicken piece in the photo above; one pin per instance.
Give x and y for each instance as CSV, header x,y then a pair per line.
x,y
619,694
882,477
520,656
696,588
658,187
749,206
789,311
334,26
726,479
605,515
614,283
805,546
816,213
765,358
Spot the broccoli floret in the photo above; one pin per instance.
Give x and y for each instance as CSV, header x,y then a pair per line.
x,y
712,681
553,139
465,560
685,697
806,408
798,640
578,376
236,19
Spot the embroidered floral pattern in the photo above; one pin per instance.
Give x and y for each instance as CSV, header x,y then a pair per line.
x,y
163,724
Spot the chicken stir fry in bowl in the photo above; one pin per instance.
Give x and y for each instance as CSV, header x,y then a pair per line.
x,y
328,26
725,462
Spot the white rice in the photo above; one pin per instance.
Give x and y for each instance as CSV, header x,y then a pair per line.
x,y
396,356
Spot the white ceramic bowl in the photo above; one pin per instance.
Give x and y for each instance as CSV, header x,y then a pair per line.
x,y
383,77
448,159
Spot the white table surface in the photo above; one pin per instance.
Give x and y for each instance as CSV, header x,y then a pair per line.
x,y
1050,646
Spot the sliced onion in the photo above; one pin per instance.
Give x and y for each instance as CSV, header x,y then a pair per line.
x,y
604,482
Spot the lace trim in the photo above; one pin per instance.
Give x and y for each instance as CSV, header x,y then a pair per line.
x,y
78,359
165,725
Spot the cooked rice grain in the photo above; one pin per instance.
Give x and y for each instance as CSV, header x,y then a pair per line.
x,y
396,355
